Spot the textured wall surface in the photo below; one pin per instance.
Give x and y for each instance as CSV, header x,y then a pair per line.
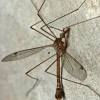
x,y
16,17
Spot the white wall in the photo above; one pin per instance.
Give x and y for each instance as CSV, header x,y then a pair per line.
x,y
16,17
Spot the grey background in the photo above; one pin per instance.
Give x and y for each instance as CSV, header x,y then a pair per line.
x,y
16,17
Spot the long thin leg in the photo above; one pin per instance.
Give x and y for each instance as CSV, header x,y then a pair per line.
x,y
43,19
83,21
42,29
70,13
37,23
47,32
55,28
71,80
40,32
65,14
33,77
73,24
74,82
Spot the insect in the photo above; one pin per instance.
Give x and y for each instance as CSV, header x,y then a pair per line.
x,y
60,45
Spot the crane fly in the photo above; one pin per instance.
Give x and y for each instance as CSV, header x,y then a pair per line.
x,y
60,44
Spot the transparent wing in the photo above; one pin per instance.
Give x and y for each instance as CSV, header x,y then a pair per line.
x,y
73,67
23,54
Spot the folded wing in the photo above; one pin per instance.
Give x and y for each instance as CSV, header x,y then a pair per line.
x,y
73,67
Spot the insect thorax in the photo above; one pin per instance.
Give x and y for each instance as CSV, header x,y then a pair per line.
x,y
59,45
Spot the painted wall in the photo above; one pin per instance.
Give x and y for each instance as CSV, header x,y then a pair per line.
x,y
16,17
